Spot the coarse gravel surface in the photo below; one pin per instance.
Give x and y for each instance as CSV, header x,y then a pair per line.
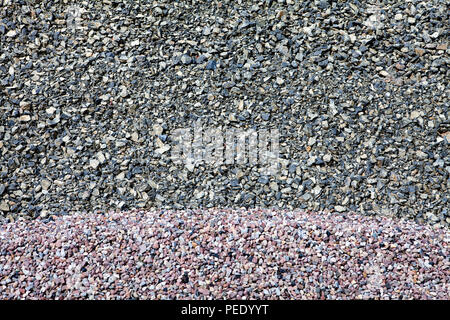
x,y
223,254
91,93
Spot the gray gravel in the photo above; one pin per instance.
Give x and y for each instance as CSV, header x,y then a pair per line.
x,y
89,104
233,254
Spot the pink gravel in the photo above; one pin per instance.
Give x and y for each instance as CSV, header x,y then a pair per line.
x,y
223,254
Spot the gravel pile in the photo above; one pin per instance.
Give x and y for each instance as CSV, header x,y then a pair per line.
x,y
234,254
92,91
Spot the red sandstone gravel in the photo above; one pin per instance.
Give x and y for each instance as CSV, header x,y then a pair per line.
x,y
234,254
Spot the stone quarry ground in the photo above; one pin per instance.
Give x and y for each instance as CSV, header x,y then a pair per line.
x,y
92,92
223,254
